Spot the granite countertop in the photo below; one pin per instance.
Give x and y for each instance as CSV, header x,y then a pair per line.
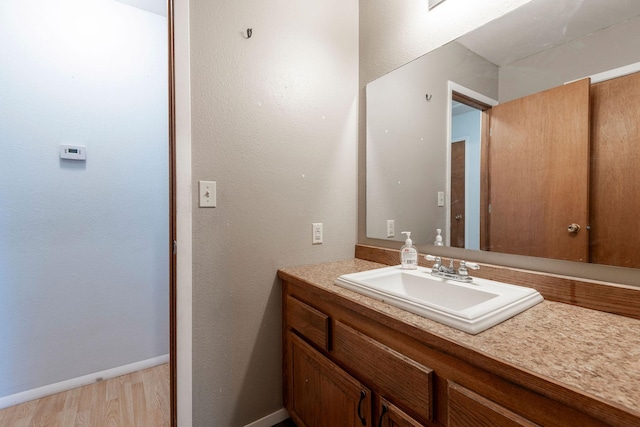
x,y
592,351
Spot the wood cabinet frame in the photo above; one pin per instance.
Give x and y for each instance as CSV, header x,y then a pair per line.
x,y
532,397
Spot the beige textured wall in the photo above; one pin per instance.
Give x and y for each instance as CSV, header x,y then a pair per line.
x,y
577,59
274,123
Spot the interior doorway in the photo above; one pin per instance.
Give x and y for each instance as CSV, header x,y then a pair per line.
x,y
466,182
458,212
81,86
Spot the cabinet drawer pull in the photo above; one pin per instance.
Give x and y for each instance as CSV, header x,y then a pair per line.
x,y
363,420
384,411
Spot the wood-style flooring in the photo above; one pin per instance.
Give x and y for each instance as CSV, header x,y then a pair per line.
x,y
140,399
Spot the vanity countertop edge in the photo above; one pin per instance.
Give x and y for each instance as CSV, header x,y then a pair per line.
x,y
591,352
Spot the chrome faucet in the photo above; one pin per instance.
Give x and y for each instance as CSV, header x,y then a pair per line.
x,y
461,275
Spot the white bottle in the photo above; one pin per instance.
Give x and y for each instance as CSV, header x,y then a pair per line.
x,y
408,254
438,241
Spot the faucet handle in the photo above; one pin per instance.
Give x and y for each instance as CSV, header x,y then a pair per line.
x,y
471,265
462,271
436,259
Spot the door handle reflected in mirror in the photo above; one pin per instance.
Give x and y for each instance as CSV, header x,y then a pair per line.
x,y
573,228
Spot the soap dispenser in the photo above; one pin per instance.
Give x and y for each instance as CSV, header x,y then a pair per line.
x,y
408,254
438,241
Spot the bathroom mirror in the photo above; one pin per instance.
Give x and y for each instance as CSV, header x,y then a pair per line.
x,y
412,119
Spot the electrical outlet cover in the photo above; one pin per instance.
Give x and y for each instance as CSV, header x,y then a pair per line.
x,y
316,238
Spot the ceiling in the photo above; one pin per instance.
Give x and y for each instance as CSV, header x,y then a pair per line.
x,y
543,24
158,7
458,108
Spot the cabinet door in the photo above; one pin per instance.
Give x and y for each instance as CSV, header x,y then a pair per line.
x,y
322,394
469,409
395,376
392,416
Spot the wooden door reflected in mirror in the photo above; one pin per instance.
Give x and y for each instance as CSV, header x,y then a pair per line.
x,y
538,174
458,213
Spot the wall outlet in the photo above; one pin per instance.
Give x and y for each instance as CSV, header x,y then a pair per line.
x,y
391,228
316,238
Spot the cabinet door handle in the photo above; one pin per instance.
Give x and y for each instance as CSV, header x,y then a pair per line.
x,y
363,420
384,411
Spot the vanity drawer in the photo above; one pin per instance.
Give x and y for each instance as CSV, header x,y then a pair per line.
x,y
309,322
469,409
401,380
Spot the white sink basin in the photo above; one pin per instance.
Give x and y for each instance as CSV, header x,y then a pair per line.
x,y
470,307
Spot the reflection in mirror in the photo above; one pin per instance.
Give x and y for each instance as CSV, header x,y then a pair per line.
x,y
407,113
464,215
413,132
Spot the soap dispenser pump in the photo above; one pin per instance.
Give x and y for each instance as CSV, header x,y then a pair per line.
x,y
408,254
438,241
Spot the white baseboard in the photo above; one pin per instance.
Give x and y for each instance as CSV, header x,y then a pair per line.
x,y
47,390
271,419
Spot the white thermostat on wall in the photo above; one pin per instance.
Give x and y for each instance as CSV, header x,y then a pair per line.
x,y
73,152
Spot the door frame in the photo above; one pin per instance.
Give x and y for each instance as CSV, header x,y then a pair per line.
x,y
172,244
180,119
180,307
477,100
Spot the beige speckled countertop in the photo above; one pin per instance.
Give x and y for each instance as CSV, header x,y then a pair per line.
x,y
592,351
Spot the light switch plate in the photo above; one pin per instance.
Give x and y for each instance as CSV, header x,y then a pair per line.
x,y
207,194
440,198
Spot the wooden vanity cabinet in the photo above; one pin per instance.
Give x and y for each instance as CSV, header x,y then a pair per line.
x,y
345,364
322,394
391,374
392,416
319,392
469,409
310,323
